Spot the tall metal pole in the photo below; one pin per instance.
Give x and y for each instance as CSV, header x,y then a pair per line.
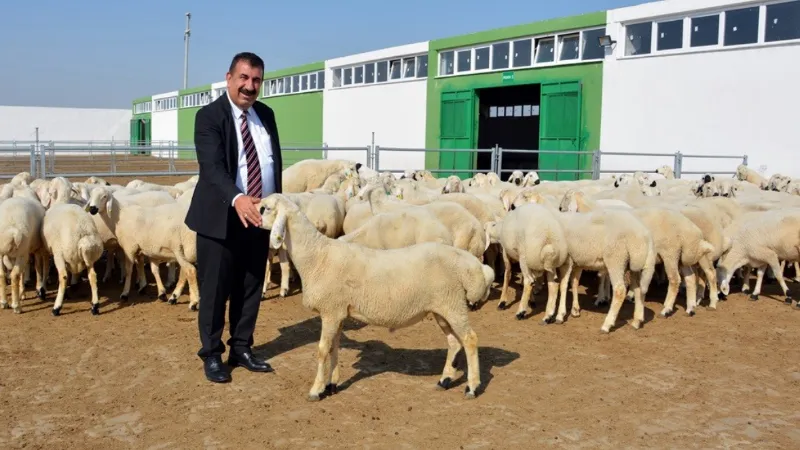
x,y
186,35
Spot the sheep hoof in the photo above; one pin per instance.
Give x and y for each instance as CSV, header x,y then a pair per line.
x,y
42,294
605,330
173,301
520,315
313,397
162,297
601,301
547,320
636,324
17,310
473,306
331,389
666,313
797,305
443,384
3,305
193,307
469,394
691,313
721,296
141,290
788,300
559,320
57,311
754,297
502,305
123,297
283,293
96,309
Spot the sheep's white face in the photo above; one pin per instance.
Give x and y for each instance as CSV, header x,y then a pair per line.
x,y
651,190
569,203
516,178
531,179
274,211
492,233
100,200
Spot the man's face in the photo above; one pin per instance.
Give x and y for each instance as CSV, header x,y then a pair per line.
x,y
244,84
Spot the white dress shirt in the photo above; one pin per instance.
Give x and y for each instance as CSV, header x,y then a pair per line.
x,y
261,139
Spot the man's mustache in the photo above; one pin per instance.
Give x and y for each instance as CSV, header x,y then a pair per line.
x,y
246,91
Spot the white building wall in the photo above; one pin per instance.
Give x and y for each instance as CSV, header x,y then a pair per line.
x,y
395,111
217,89
64,124
164,124
719,101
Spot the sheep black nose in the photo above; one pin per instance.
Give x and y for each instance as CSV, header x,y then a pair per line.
x,y
262,209
513,207
93,210
536,183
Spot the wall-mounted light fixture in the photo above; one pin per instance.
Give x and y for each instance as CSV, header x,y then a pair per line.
x,y
606,41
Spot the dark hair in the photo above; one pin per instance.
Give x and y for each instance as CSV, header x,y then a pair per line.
x,y
251,58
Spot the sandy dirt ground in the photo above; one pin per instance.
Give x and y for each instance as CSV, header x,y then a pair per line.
x,y
129,378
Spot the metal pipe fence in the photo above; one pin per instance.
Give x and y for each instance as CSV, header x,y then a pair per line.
x,y
170,158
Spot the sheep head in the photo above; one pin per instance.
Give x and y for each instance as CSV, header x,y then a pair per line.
x,y
516,177
571,201
453,185
531,179
274,213
492,231
101,199
492,178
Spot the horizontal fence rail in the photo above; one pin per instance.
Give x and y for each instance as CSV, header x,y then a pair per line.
x,y
171,158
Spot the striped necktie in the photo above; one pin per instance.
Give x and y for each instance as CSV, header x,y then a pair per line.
x,y
253,166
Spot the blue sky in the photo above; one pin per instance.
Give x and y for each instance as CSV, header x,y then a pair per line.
x,y
103,54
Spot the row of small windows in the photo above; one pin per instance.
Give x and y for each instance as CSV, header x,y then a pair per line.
x,y
307,82
382,71
165,104
196,99
514,111
562,48
141,108
739,26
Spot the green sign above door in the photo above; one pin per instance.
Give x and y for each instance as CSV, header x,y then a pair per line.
x,y
508,77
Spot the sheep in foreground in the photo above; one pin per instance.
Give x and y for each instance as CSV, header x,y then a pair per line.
x,y
390,288
70,235
532,235
761,240
20,236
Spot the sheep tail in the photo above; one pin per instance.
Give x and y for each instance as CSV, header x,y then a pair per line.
x,y
704,248
647,270
90,249
11,240
548,255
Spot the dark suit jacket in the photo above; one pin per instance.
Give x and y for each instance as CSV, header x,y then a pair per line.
x,y
218,156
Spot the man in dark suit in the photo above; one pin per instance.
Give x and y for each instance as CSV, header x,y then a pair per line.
x,y
239,155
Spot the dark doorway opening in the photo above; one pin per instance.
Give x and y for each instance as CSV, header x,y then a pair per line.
x,y
509,117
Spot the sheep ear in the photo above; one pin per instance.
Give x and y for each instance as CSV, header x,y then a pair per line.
x,y
616,183
653,184
109,204
278,232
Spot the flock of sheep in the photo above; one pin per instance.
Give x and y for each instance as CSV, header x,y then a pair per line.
x,y
389,250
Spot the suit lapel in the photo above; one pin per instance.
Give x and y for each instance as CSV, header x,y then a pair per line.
x,y
230,132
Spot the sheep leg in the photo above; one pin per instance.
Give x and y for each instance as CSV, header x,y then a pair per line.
x,y
617,279
16,280
61,268
746,272
162,291
506,280
128,273
759,279
38,265
565,272
603,289
110,259
459,323
179,285
268,273
330,325
333,362
690,278
552,295
453,347
93,284
527,286
576,306
141,275
707,266
674,279
190,272
172,274
122,267
796,278
3,292
775,267
638,301
283,259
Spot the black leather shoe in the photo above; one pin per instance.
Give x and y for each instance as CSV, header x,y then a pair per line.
x,y
215,371
248,361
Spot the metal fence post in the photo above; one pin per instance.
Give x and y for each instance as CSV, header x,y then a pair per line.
x,y
376,154
744,160
42,162
371,154
33,161
596,157
499,170
678,164
493,164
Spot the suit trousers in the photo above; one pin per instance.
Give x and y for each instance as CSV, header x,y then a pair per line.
x,y
231,268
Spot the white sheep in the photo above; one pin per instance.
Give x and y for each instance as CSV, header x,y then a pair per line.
x,y
20,236
70,235
310,174
532,235
390,288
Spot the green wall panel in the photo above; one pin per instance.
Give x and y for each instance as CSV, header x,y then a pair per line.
x,y
299,119
589,74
